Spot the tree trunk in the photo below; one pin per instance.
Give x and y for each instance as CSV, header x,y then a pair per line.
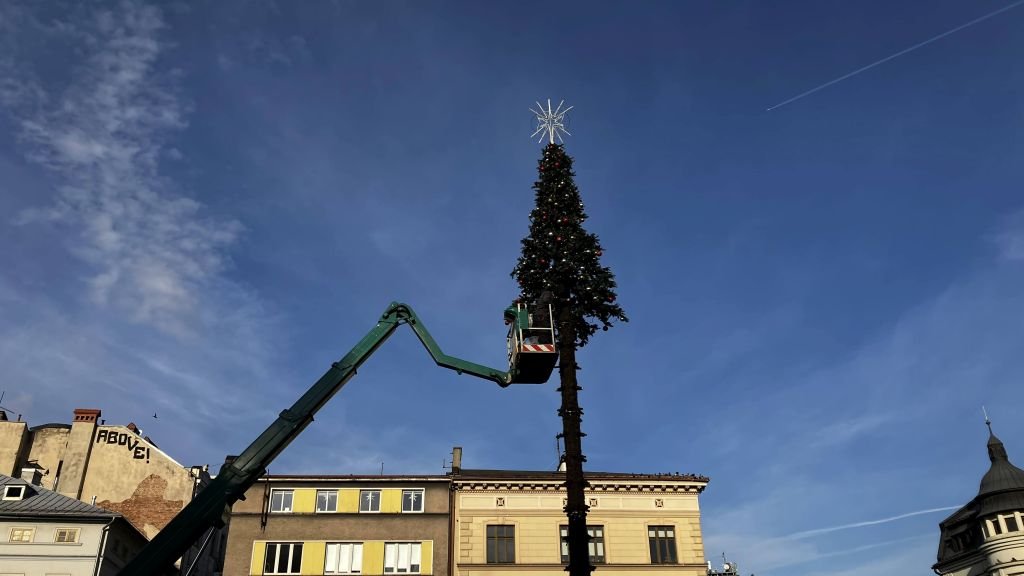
x,y
576,505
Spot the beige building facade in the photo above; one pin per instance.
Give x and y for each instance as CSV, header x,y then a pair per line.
x,y
513,522
370,525
114,467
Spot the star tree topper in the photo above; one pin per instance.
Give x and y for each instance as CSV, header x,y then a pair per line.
x,y
550,121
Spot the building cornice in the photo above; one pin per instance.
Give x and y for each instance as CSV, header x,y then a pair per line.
x,y
519,567
528,486
340,479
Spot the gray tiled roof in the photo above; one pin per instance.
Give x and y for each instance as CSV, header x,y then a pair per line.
x,y
39,501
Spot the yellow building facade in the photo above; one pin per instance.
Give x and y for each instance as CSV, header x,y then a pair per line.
x,y
366,525
513,522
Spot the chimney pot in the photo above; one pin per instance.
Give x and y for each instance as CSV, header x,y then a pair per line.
x,y
86,415
456,459
32,475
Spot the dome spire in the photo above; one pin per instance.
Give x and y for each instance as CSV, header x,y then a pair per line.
x,y
1002,475
996,450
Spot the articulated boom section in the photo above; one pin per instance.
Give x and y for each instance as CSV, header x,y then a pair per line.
x,y
212,506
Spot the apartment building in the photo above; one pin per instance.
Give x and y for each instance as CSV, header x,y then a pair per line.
x,y
113,466
469,522
43,533
369,525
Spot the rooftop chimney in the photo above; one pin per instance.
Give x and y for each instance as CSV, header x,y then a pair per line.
x,y
77,452
32,475
88,415
456,460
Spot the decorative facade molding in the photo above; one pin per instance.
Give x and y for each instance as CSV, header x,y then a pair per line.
x,y
483,485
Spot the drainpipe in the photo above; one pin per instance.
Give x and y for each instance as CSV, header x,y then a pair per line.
x,y
103,547
451,527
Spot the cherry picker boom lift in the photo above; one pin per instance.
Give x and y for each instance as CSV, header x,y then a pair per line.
x,y
531,354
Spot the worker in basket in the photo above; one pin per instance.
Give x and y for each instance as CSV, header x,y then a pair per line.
x,y
535,321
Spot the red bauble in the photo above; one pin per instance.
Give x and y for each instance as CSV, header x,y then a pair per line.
x,y
598,252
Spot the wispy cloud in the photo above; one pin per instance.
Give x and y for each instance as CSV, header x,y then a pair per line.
x,y
1010,237
153,249
165,327
935,363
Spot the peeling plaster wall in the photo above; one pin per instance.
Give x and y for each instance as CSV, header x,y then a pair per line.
x,y
129,475
48,444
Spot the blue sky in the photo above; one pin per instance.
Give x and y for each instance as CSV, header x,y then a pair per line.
x,y
205,205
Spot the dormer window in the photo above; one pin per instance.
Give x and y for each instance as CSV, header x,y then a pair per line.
x,y
1003,524
14,492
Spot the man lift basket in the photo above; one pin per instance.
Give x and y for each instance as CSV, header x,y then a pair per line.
x,y
531,341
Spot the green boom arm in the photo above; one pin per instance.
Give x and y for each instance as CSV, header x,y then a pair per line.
x,y
212,505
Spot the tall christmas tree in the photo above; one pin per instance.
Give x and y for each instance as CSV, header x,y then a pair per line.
x,y
561,264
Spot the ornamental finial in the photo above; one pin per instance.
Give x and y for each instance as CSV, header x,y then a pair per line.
x,y
550,121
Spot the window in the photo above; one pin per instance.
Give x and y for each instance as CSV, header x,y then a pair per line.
x,y
412,500
1011,523
663,544
281,500
369,500
596,534
501,544
326,500
283,558
344,558
22,534
66,535
14,492
402,558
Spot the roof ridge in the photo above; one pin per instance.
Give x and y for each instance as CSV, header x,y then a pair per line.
x,y
45,501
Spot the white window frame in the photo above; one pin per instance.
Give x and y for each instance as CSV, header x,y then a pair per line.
x,y
1016,519
355,558
422,496
74,536
374,501
20,489
329,494
25,530
291,507
393,552
291,546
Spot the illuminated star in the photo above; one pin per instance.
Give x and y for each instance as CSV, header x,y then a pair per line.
x,y
550,121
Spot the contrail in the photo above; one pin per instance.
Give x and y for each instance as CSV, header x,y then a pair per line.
x,y
815,532
900,53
